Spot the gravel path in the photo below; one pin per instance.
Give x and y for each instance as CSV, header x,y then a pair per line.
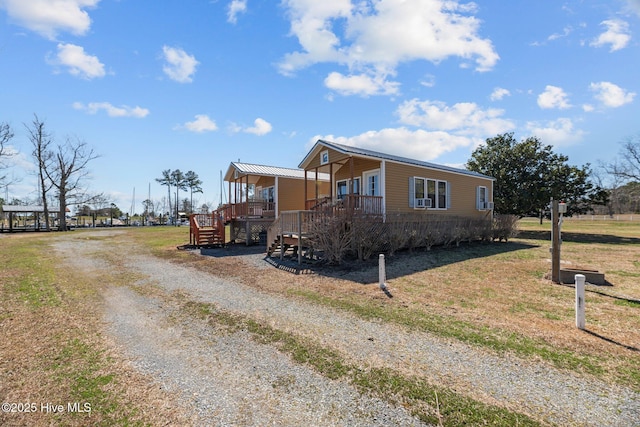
x,y
228,379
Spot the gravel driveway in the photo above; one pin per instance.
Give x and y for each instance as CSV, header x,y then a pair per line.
x,y
229,379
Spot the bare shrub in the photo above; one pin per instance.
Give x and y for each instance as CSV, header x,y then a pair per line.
x,y
399,233
370,235
332,237
338,236
504,227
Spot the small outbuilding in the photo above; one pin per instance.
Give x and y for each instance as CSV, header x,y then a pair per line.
x,y
28,218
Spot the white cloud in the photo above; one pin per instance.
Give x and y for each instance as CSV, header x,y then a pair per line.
x,y
587,108
634,6
499,93
112,111
560,132
260,127
78,62
337,31
445,129
428,80
416,144
553,97
611,95
464,118
201,124
48,17
361,84
180,65
617,35
565,32
236,7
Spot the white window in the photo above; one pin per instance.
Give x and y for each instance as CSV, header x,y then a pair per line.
x,y
342,187
482,198
425,193
324,157
268,194
372,182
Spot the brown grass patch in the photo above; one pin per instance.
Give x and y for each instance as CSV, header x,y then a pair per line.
x,y
56,353
500,286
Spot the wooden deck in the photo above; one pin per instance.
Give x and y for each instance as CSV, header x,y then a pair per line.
x,y
245,210
231,223
352,203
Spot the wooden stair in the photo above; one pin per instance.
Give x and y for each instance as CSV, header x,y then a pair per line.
x,y
210,236
206,229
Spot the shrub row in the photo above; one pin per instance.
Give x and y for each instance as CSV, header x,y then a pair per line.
x,y
341,236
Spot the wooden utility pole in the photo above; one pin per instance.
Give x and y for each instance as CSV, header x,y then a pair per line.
x,y
555,242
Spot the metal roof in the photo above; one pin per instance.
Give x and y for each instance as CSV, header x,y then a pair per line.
x,y
356,151
262,170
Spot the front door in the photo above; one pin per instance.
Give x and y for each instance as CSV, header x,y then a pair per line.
x,y
371,182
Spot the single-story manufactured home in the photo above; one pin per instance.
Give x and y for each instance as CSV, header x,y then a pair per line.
x,y
379,183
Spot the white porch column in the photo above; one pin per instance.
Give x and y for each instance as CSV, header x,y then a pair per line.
x,y
277,195
383,189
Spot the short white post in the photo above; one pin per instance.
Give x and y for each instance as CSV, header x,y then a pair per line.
x,y
580,321
382,275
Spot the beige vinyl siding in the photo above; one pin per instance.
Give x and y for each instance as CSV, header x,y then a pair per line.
x,y
334,156
323,189
266,181
462,189
290,194
359,166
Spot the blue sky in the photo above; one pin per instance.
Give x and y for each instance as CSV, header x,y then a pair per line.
x,y
196,84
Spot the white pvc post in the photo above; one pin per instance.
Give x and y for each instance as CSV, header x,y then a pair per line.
x,y
580,321
382,275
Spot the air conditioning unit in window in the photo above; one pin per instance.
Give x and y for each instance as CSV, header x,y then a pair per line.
x,y
423,203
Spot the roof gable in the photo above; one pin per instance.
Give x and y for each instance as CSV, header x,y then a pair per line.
x,y
362,152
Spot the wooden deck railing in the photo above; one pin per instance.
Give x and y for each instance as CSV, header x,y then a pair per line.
x,y
351,203
252,209
293,225
199,221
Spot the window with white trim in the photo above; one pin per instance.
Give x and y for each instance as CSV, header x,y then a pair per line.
x,y
425,193
268,194
342,187
324,157
482,198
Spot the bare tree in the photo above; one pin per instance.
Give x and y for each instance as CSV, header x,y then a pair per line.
x,y
5,136
41,142
627,167
68,170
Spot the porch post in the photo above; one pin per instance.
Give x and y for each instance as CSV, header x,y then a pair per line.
x,y
316,184
305,190
276,190
351,171
299,237
351,197
246,195
383,192
331,182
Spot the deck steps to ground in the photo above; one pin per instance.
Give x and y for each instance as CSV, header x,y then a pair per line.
x,y
210,236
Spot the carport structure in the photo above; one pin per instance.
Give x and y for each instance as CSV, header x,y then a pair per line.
x,y
27,218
